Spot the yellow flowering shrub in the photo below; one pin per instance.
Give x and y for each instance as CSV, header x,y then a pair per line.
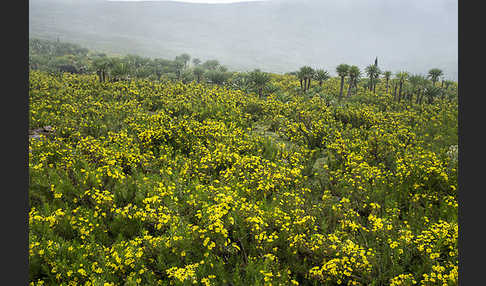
x,y
166,183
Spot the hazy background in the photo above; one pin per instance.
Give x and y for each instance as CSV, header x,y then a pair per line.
x,y
273,35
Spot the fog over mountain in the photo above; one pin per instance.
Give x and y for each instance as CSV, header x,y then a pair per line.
x,y
273,35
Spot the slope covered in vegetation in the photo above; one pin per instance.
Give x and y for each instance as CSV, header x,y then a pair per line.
x,y
168,183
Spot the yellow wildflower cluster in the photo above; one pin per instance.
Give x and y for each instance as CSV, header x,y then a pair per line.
x,y
150,183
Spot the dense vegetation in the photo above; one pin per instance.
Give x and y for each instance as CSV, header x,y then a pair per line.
x,y
260,179
58,57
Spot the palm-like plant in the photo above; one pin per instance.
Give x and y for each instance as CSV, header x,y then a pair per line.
x,y
301,76
101,65
259,80
119,69
434,75
447,84
321,76
211,64
415,81
342,71
421,87
373,73
198,73
136,62
306,73
184,58
216,76
354,74
178,65
431,92
401,77
387,75
222,68
445,90
394,84
196,61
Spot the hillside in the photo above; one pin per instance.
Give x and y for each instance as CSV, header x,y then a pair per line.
x,y
277,36
139,182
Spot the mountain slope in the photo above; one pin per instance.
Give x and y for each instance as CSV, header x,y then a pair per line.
x,y
277,36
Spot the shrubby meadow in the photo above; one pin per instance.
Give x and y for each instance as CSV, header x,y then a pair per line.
x,y
164,182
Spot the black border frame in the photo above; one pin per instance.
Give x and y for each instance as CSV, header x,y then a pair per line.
x,y
15,121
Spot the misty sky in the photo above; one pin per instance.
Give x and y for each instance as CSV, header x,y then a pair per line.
x,y
273,35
